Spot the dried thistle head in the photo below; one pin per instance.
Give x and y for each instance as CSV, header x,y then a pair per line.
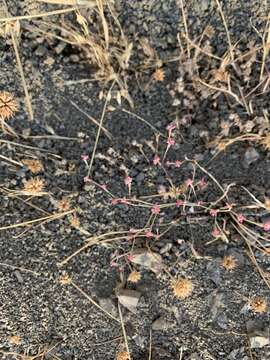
x,y
8,105
34,186
123,355
64,279
74,221
182,288
134,276
159,75
265,141
229,262
63,205
258,305
35,166
15,339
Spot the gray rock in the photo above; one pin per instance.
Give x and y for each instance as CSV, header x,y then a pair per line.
x,y
147,259
214,272
161,324
108,305
129,299
251,156
258,342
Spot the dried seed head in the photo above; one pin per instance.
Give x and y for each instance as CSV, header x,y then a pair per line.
x,y
134,277
35,166
159,75
64,279
265,141
63,205
258,305
34,186
74,221
229,262
182,288
15,339
8,105
123,355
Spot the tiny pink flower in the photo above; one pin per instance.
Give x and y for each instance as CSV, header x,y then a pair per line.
x,y
128,180
85,157
240,218
179,203
155,209
170,141
131,234
189,182
178,163
213,212
171,127
149,234
202,184
86,179
180,241
115,201
124,201
104,187
113,264
266,226
228,206
156,160
130,257
216,232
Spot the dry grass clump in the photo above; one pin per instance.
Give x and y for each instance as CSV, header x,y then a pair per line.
x,y
134,277
35,166
123,355
8,105
182,288
34,187
258,305
229,262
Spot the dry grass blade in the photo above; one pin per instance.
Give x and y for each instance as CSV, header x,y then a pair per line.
x,y
222,90
29,17
144,121
106,132
226,29
185,25
92,301
29,222
266,43
100,6
99,129
84,3
123,330
19,63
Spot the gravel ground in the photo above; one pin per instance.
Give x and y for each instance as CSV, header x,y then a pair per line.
x,y
45,317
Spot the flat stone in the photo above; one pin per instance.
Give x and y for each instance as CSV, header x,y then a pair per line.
x,y
161,324
129,299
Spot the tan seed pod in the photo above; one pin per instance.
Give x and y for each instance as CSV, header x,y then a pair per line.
x,y
35,166
229,262
258,305
134,277
8,105
182,288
